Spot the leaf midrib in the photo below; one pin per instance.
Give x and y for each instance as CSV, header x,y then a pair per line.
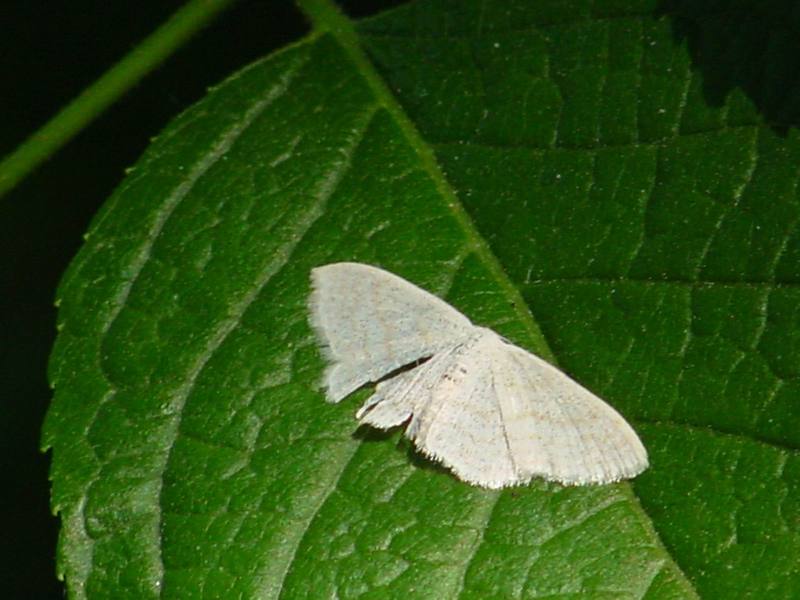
x,y
325,17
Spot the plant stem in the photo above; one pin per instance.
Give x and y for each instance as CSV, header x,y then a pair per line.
x,y
145,57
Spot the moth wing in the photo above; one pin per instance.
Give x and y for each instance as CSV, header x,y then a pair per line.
x,y
459,421
393,400
557,429
371,322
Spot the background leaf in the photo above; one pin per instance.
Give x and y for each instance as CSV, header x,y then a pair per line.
x,y
650,233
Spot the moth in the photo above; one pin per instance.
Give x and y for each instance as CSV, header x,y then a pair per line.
x,y
494,414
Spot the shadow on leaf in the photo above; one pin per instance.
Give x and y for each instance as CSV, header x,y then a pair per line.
x,y
753,46
369,434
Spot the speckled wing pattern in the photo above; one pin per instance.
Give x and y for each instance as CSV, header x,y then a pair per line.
x,y
493,413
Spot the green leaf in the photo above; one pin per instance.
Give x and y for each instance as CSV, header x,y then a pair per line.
x,y
549,168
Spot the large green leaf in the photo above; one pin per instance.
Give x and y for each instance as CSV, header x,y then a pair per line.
x,y
538,165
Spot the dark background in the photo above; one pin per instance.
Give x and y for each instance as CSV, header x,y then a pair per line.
x,y
51,50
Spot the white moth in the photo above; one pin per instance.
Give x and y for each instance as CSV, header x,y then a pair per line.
x,y
493,413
